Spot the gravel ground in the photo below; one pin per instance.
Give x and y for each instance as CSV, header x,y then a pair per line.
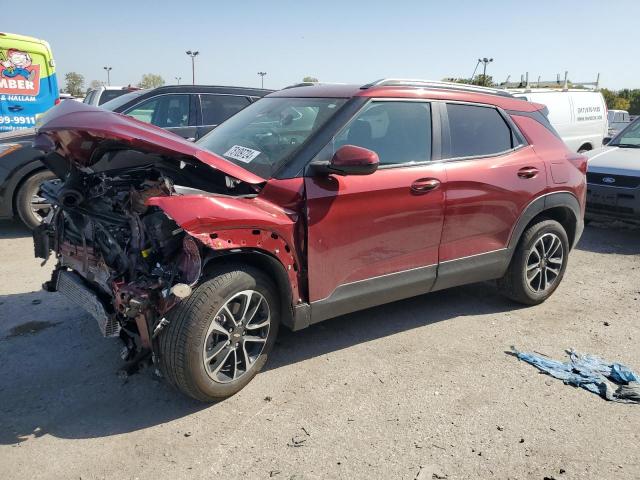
x,y
418,389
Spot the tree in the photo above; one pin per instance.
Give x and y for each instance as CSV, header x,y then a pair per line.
x,y
484,80
620,103
151,80
95,84
634,104
609,97
310,79
75,83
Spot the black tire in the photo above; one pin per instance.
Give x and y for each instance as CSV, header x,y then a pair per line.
x,y
182,343
514,284
30,187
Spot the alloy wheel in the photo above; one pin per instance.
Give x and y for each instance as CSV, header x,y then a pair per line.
x,y
236,336
544,263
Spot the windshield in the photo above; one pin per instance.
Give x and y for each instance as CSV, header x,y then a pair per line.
x,y
629,137
263,136
117,102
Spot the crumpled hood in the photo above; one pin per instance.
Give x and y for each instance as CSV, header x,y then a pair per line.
x,y
75,130
615,161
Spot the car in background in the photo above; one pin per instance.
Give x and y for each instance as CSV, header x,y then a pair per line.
x,y
311,203
190,111
618,119
28,81
613,177
100,95
578,115
186,110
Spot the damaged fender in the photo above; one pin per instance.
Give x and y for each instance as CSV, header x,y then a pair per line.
x,y
228,223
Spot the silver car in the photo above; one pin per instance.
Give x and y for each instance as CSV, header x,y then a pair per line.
x,y
613,177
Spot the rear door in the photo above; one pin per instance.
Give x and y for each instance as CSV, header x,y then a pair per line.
x,y
215,109
492,175
28,84
171,111
373,239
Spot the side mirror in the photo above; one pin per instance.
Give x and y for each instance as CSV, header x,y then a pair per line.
x,y
352,160
606,140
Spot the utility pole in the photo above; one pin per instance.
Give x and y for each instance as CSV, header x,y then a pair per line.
x,y
193,56
262,74
178,79
108,69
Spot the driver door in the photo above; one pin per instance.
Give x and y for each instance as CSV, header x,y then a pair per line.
x,y
374,239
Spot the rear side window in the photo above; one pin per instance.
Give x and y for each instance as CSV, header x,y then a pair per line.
x,y
399,132
217,108
477,131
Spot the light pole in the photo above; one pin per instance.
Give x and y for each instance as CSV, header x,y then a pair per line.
x,y
178,79
485,61
262,74
108,69
193,56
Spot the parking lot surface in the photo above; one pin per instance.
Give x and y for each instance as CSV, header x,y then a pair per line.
x,y
417,389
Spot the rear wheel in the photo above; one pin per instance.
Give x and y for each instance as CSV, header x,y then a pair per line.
x,y
220,337
585,148
30,205
538,264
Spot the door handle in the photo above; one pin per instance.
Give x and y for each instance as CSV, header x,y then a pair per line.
x,y
424,185
15,108
527,172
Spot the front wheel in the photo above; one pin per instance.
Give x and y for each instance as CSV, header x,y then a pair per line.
x,y
30,206
538,264
219,338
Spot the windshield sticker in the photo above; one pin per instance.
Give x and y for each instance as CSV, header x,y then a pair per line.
x,y
243,154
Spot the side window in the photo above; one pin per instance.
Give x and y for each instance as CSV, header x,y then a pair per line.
x,y
217,108
399,132
165,111
477,131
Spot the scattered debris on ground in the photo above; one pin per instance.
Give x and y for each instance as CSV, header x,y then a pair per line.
x,y
589,372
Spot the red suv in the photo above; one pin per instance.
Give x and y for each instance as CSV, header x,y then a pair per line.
x,y
311,203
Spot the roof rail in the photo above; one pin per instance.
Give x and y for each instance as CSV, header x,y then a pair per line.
x,y
408,82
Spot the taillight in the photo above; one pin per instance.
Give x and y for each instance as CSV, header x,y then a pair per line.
x,y
580,162
57,101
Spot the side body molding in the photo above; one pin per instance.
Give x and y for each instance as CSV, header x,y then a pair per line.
x,y
477,268
493,265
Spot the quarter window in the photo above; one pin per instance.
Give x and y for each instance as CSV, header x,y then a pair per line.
x,y
399,132
477,131
217,108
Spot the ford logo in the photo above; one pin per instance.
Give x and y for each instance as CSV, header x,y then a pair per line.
x,y
608,180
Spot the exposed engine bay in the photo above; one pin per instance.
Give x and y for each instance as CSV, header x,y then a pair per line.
x,y
125,262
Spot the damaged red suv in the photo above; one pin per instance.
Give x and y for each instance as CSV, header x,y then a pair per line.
x,y
311,203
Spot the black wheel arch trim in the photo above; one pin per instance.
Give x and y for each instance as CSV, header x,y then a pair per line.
x,y
544,203
269,265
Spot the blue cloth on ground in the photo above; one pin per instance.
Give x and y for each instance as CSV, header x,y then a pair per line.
x,y
589,372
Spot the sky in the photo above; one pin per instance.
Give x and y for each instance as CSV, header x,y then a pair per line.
x,y
334,41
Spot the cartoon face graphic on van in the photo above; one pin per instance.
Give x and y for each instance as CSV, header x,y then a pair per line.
x,y
17,63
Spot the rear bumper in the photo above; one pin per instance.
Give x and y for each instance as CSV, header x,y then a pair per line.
x,y
605,202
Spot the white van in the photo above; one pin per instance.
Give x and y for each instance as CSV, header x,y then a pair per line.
x,y
579,115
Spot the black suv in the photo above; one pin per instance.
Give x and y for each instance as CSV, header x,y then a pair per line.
x,y
187,110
